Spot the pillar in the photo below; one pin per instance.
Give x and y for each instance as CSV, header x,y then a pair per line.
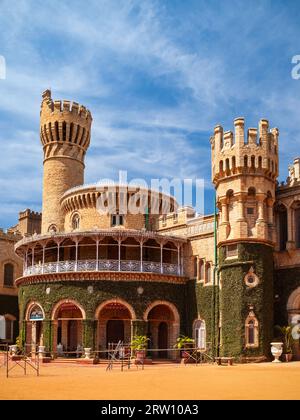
x,y
47,334
89,326
290,233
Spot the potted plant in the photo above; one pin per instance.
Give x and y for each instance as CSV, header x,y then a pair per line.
x,y
139,346
286,333
184,343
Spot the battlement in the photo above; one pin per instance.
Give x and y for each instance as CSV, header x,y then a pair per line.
x,y
66,123
30,214
64,106
234,153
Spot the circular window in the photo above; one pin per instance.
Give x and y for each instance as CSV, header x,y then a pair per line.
x,y
251,279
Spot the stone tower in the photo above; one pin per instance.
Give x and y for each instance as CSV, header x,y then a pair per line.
x,y
244,172
65,130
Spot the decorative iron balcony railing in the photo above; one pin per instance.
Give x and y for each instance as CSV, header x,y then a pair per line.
x,y
103,265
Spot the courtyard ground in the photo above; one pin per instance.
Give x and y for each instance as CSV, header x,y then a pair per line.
x,y
68,381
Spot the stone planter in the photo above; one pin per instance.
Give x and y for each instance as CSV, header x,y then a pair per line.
x,y
276,350
87,352
41,351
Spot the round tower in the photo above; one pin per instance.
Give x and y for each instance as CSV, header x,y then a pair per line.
x,y
65,131
244,172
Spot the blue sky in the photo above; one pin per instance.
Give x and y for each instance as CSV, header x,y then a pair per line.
x,y
157,77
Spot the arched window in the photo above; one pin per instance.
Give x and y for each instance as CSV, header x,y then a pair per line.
x,y
246,161
200,334
260,162
52,229
208,273
233,163
221,166
282,229
201,270
195,267
8,275
251,330
75,222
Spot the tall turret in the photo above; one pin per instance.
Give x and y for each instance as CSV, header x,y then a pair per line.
x,y
244,172
65,131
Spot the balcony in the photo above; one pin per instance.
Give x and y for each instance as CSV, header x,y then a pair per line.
x,y
103,265
116,251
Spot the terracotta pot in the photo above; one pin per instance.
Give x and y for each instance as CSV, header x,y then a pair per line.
x,y
140,354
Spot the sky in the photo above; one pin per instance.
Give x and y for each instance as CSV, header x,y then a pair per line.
x,y
157,77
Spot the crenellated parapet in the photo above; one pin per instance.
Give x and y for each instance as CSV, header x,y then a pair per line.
x,y
65,128
234,153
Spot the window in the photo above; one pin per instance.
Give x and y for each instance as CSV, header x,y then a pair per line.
x,y
164,220
8,275
117,220
201,269
231,251
208,273
52,229
175,218
75,222
251,335
195,267
200,334
9,329
250,210
251,330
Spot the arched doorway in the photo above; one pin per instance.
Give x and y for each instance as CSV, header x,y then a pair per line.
x,y
163,328
115,331
34,326
163,339
293,308
68,329
114,323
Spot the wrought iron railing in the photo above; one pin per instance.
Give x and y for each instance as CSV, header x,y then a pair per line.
x,y
103,265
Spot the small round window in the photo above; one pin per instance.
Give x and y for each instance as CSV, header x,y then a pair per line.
x,y
251,279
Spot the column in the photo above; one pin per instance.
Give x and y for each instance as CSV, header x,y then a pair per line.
x,y
97,255
119,254
47,334
43,263
141,255
89,326
32,257
76,255
224,227
161,258
178,260
57,263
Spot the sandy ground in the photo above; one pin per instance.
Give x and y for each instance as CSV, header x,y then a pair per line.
x,y
255,381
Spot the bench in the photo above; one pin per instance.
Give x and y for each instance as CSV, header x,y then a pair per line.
x,y
227,360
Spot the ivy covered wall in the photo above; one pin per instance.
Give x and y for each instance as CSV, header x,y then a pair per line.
x,y
236,297
102,291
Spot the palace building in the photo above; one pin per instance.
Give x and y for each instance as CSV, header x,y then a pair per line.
x,y
91,278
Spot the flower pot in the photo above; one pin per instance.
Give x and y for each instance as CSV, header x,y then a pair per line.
x,y
140,355
288,357
87,353
276,350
